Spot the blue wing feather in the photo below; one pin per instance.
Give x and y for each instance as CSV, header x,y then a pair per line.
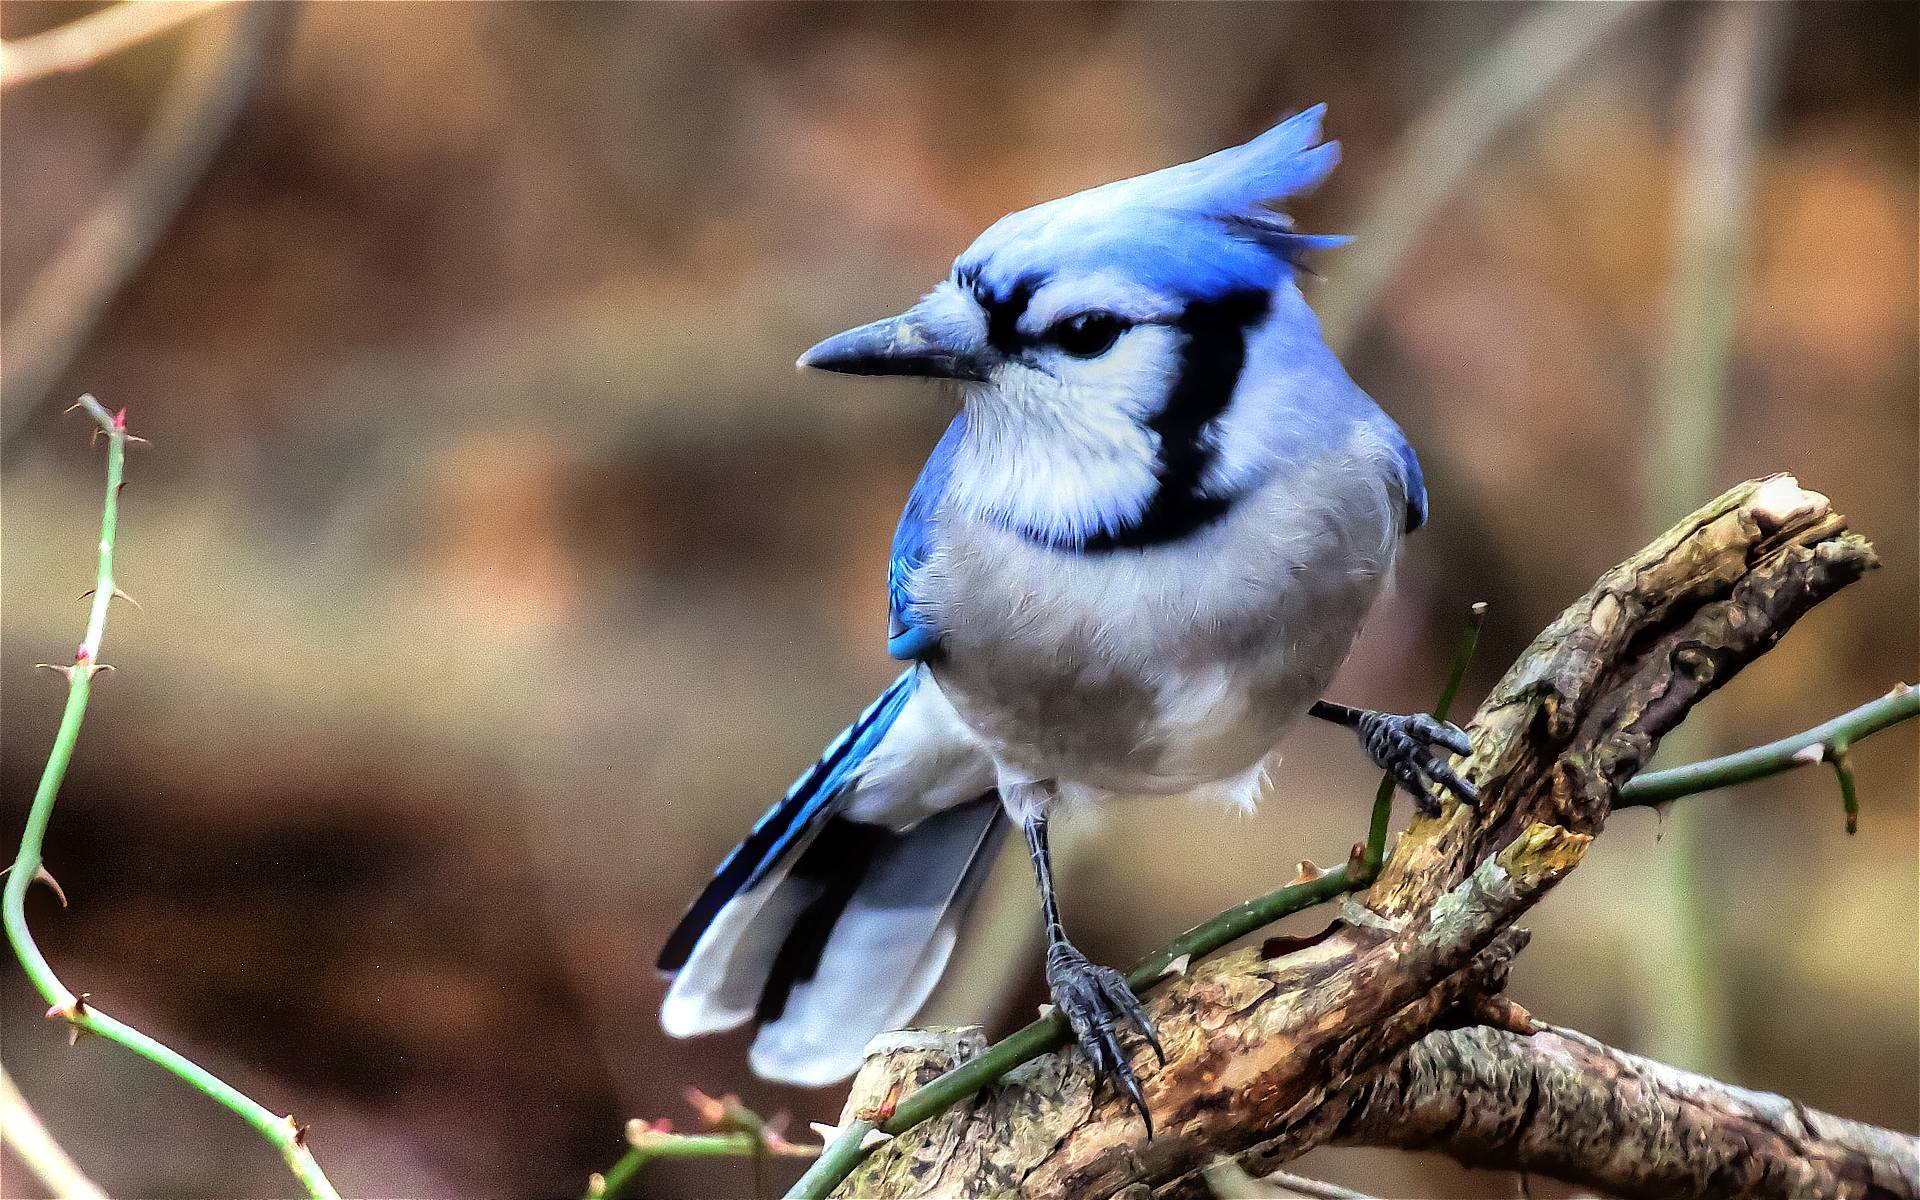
x,y
910,635
1416,487
809,799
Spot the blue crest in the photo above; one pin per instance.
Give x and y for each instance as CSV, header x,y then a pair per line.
x,y
1199,230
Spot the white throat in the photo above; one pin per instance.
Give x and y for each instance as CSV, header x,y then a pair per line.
x,y
1066,456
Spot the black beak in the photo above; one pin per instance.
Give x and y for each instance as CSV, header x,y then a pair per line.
x,y
901,345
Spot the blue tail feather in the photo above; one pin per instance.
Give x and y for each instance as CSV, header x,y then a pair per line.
x,y
809,799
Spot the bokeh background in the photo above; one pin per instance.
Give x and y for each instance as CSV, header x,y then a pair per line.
x,y
498,570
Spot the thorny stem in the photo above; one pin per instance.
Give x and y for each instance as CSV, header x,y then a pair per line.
x,y
1829,740
78,1011
741,1133
839,1158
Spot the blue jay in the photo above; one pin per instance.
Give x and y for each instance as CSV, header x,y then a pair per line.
x,y
1137,556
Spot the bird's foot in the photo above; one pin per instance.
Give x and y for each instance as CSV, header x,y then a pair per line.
x,y
1405,747
1094,999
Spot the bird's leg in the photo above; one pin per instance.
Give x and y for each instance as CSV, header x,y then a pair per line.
x,y
1092,998
1404,747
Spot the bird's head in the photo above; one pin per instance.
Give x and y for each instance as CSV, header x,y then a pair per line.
x,y
1112,325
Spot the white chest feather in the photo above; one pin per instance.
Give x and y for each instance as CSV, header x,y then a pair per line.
x,y
1173,667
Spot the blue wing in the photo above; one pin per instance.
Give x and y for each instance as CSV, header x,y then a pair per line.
x,y
807,803
910,635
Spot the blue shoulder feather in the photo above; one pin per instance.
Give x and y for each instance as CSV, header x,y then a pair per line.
x,y
1416,486
910,635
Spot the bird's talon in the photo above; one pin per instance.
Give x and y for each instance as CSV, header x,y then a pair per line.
x,y
1094,999
1405,747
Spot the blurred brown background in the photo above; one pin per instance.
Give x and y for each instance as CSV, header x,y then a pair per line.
x,y
498,570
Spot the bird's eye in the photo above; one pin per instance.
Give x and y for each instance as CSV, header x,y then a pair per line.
x,y
1088,335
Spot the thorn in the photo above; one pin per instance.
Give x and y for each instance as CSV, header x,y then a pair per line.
x,y
296,1132
1810,754
118,594
830,1134
42,875
72,1012
1306,872
57,668
1047,1010
1178,966
80,403
1843,771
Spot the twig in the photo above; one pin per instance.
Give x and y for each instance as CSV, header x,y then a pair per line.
x,y
81,43
21,1129
65,302
739,1133
1436,151
63,1004
1774,758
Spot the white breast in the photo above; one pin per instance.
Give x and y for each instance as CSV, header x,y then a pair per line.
x,y
1173,668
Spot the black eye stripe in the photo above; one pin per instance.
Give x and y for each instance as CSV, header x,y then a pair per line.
x,y
1003,312
1212,355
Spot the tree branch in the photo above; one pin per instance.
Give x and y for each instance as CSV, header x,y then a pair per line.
x,y
1267,1051
1561,1104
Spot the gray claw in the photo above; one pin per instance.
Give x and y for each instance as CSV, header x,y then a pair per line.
x,y
1093,998
1404,747
1116,989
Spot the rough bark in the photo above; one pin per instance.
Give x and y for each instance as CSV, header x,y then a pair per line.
x,y
1562,1104
1271,1056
